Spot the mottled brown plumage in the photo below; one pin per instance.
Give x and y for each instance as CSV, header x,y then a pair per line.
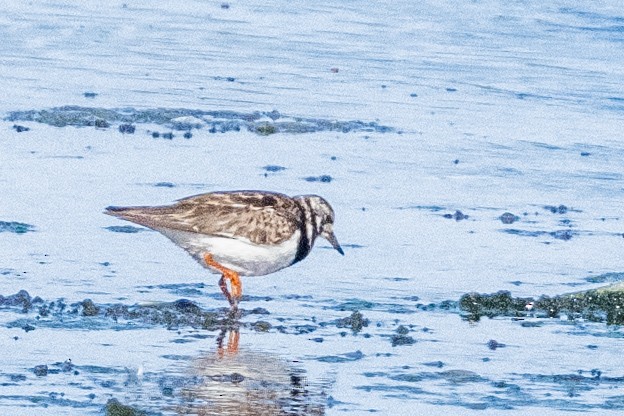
x,y
269,218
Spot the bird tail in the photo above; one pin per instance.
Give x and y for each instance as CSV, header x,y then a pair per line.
x,y
137,215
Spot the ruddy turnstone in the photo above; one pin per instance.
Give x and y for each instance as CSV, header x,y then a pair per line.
x,y
249,233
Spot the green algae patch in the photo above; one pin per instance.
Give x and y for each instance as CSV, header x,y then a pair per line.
x,y
602,304
605,304
115,408
262,123
262,326
266,129
611,277
89,308
401,337
181,313
86,314
476,305
356,322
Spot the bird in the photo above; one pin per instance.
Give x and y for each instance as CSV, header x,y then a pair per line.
x,y
240,233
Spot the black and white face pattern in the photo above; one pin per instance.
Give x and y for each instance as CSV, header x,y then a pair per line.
x,y
320,220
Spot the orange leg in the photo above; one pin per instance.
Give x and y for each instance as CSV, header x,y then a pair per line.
x,y
227,274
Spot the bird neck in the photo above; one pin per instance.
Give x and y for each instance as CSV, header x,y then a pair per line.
x,y
307,229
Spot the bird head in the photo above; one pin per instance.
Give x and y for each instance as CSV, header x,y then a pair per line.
x,y
323,219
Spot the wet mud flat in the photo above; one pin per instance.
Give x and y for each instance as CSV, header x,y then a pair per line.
x,y
205,366
444,302
472,151
226,379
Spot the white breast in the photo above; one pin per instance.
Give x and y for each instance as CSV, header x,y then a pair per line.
x,y
237,254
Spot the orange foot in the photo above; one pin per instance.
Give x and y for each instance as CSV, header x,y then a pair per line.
x,y
227,274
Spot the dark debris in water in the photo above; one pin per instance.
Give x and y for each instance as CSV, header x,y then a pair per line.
x,y
355,322
165,185
398,339
15,227
41,370
561,209
494,345
217,121
457,216
127,128
20,129
401,337
564,235
509,218
322,178
274,168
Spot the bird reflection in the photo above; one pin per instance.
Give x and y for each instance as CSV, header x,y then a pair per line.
x,y
240,382
231,348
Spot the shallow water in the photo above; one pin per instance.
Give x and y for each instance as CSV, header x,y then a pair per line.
x,y
423,124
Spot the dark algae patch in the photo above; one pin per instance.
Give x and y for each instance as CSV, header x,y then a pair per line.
x,y
598,305
355,322
457,216
20,129
322,178
401,337
564,235
274,168
266,129
127,129
15,227
476,305
21,299
177,314
89,308
560,209
612,277
41,370
508,218
115,408
219,121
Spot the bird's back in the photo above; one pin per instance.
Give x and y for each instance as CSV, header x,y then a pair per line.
x,y
265,218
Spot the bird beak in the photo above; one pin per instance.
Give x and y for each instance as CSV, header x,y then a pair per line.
x,y
334,242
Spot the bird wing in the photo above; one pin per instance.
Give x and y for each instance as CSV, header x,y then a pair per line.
x,y
262,218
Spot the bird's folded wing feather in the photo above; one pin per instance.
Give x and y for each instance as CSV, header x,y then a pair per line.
x,y
267,218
